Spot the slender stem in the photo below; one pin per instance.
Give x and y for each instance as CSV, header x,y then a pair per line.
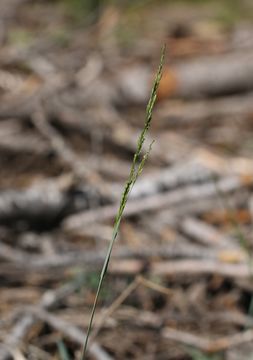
x,y
135,170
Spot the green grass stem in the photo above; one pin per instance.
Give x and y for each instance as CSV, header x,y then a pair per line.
x,y
135,170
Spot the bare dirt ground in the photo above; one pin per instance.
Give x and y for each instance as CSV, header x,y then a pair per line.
x,y
74,83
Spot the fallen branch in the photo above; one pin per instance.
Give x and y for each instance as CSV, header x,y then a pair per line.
x,y
70,331
207,345
201,267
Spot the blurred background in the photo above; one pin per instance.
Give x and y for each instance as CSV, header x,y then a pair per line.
x,y
75,78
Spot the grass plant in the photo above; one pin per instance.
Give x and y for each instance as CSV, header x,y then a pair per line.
x,y
135,170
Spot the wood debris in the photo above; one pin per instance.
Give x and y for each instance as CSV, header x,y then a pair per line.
x,y
73,88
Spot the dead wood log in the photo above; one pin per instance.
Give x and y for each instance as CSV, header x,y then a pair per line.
x,y
210,76
43,205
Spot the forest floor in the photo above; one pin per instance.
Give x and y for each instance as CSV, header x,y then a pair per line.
x,y
73,90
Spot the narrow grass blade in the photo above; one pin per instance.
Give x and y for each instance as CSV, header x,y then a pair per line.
x,y
63,352
135,170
